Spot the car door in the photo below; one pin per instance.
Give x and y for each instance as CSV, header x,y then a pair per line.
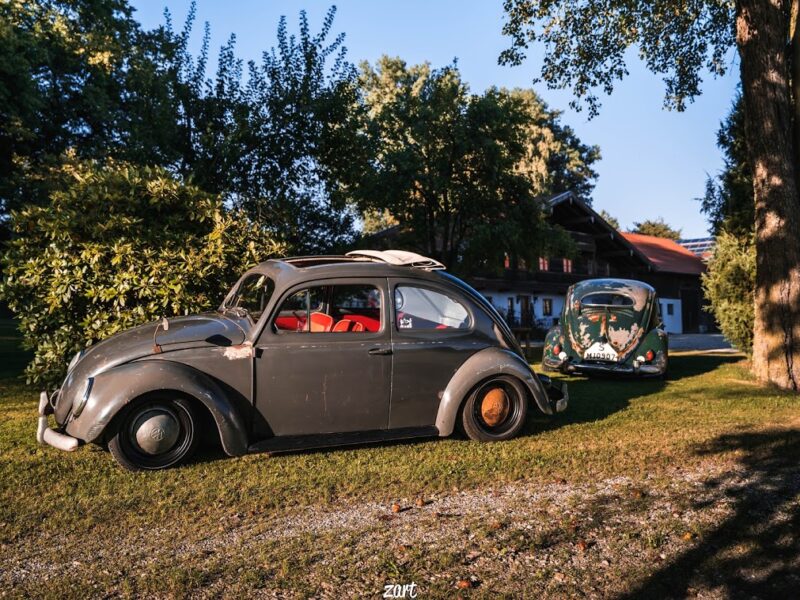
x,y
323,361
432,335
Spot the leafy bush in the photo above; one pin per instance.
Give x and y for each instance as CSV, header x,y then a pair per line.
x,y
729,286
118,245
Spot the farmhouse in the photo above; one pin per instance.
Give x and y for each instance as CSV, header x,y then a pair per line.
x,y
532,296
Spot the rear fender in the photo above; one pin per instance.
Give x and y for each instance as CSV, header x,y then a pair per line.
x,y
114,389
478,367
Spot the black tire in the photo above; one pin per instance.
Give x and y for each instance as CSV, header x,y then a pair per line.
x,y
145,422
480,418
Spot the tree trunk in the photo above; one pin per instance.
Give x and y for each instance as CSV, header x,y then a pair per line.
x,y
762,30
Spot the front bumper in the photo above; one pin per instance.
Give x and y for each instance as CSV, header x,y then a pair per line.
x,y
52,437
568,366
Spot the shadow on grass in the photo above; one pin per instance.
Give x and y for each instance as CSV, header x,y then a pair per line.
x,y
593,398
755,553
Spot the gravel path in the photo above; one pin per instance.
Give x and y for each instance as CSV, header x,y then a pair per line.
x,y
600,539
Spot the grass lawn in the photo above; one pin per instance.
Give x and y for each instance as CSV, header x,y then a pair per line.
x,y
605,499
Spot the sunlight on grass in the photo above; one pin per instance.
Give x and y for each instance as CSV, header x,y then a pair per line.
x,y
611,427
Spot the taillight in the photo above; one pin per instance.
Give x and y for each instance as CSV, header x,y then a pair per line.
x,y
557,349
650,355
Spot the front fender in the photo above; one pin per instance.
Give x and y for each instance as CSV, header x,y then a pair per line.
x,y
481,365
114,389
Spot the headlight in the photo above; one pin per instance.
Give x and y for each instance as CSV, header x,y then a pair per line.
x,y
75,360
80,400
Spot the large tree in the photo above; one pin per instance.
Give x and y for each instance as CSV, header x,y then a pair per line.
x,y
728,201
658,228
460,171
586,42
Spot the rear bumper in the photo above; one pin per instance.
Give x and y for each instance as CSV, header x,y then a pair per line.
x,y
567,366
52,437
557,394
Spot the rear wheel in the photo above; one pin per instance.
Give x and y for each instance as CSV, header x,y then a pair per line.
x,y
155,433
495,410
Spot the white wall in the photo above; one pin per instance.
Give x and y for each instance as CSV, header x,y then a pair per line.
x,y
673,323
500,302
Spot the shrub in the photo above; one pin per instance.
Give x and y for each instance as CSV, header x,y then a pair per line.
x,y
118,245
729,285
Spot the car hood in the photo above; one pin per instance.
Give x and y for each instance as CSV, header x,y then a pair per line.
x,y
209,329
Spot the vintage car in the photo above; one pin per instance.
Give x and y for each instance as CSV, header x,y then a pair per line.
x,y
303,353
610,326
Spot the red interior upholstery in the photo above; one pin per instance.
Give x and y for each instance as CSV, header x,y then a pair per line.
x,y
321,322
287,323
348,325
343,325
368,323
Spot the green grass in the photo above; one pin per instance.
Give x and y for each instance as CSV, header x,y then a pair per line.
x,y
612,427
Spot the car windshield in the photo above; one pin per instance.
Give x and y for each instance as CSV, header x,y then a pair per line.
x,y
252,295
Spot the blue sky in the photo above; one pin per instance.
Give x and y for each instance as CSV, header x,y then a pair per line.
x,y
654,162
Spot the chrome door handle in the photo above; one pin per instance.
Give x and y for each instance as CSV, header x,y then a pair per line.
x,y
380,351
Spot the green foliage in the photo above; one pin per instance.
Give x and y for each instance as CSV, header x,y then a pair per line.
x,y
658,228
729,284
117,246
611,220
270,144
84,75
729,202
586,42
461,172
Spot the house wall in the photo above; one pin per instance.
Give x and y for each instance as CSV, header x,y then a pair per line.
x,y
500,300
673,323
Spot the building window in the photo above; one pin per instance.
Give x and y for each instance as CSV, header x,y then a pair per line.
x,y
547,307
670,309
510,311
543,263
567,265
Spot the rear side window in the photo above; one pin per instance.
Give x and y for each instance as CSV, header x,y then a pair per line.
x,y
331,309
419,308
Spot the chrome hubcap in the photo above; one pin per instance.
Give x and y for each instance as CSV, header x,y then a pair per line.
x,y
156,431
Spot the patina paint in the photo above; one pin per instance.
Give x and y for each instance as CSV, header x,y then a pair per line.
x,y
624,328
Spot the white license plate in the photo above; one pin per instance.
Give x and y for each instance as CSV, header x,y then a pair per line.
x,y
601,351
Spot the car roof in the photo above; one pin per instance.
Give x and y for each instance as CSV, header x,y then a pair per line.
x,y
611,285
301,268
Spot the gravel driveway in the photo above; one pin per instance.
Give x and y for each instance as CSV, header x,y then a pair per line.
x,y
698,341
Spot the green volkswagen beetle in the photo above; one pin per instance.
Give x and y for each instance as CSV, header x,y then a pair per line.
x,y
609,326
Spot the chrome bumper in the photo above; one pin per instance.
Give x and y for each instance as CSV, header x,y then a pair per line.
x,y
567,366
51,437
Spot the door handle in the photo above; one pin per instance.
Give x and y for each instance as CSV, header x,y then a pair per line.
x,y
380,351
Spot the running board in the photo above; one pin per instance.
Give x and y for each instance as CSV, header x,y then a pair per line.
x,y
294,443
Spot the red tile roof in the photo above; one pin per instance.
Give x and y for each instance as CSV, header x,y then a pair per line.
x,y
667,256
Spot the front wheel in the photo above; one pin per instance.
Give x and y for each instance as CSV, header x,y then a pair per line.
x,y
495,410
153,434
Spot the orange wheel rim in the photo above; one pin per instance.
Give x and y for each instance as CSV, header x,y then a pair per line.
x,y
494,407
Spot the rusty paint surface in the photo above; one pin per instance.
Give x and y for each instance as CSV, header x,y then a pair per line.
x,y
494,407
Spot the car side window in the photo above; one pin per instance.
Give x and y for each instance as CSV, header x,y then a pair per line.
x,y
331,309
355,308
418,308
303,311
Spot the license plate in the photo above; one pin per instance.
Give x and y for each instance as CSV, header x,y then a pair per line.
x,y
601,351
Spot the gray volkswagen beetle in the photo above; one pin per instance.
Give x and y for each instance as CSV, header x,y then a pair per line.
x,y
303,353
